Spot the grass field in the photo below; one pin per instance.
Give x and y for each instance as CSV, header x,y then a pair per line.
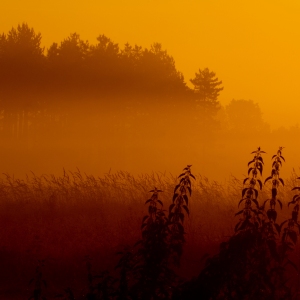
x,y
62,220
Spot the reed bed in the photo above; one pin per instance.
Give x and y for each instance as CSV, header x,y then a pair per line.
x,y
64,219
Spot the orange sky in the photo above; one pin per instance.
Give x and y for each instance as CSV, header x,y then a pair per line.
x,y
252,45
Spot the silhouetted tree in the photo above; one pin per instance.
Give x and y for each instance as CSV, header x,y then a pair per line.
x,y
71,52
21,47
132,55
206,105
21,72
158,72
144,83
207,89
104,64
66,62
245,114
105,48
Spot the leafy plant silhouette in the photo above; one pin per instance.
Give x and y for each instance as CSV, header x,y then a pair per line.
x,y
289,236
271,232
251,216
176,213
254,263
151,266
148,271
248,265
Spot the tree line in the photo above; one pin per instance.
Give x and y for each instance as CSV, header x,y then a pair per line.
x,y
44,91
41,86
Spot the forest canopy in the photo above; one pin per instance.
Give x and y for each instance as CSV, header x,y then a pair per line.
x,y
39,84
79,65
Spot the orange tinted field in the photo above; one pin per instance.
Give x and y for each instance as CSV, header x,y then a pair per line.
x,y
64,219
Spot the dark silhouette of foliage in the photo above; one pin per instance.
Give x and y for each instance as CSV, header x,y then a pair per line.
x,y
177,210
41,89
290,228
254,263
271,224
154,277
20,52
251,264
241,113
293,222
271,231
251,216
70,54
207,89
146,272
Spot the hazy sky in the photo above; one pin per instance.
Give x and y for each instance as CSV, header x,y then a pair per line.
x,y
253,46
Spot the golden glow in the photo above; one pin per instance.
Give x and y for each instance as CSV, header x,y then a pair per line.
x,y
252,46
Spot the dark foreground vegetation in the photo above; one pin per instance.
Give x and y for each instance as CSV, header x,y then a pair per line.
x,y
80,237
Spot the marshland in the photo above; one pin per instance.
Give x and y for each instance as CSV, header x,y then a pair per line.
x,y
119,181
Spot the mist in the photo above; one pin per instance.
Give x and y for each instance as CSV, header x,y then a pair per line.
x,y
102,108
97,139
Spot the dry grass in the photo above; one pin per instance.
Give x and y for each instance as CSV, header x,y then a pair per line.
x,y
63,219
